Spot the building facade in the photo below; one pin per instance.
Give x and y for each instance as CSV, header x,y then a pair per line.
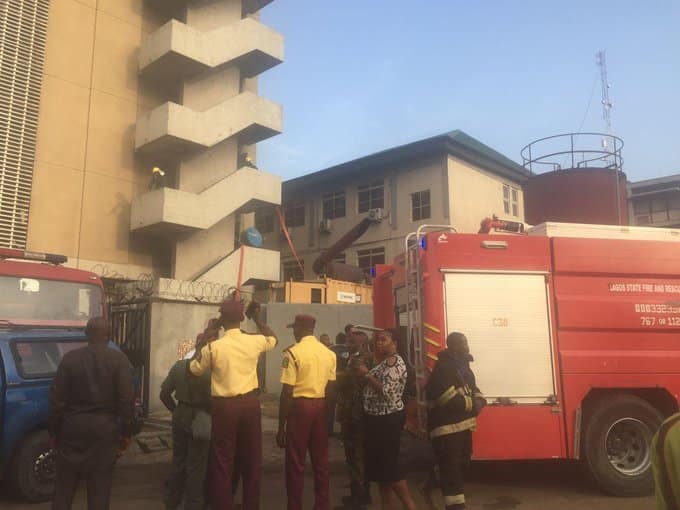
x,y
451,179
99,92
655,202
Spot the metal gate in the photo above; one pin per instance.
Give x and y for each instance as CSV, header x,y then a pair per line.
x,y
130,326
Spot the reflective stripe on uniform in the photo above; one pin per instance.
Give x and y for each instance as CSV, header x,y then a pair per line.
x,y
458,499
452,428
468,403
445,397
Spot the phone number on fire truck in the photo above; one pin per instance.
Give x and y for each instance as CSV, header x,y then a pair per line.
x,y
656,308
660,321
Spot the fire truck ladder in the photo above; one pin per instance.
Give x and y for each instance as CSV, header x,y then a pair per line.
x,y
414,295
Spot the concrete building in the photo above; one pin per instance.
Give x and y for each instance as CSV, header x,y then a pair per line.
x,y
97,93
451,179
655,202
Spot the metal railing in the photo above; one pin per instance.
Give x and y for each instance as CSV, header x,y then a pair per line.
x,y
573,150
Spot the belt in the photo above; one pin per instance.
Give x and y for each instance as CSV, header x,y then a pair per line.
x,y
251,393
309,398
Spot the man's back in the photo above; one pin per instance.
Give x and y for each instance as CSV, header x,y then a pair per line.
x,y
92,388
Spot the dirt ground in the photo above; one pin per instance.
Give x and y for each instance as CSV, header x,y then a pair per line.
x,y
492,486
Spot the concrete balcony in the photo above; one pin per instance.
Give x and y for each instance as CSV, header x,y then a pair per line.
x,y
249,6
259,265
177,50
168,211
173,129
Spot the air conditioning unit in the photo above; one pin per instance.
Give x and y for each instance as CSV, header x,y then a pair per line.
x,y
376,214
325,226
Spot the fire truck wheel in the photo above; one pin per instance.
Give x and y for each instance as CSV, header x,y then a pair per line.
x,y
617,444
33,470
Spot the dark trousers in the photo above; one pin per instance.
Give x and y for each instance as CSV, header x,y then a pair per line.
x,y
331,415
189,465
96,471
307,429
236,438
453,452
353,443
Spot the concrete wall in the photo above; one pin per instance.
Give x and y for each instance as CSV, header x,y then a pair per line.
x,y
330,319
475,194
86,172
172,324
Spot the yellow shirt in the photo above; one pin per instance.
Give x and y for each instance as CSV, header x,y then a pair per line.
x,y
232,361
307,367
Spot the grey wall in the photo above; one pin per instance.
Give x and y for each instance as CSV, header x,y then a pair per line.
x,y
172,323
330,319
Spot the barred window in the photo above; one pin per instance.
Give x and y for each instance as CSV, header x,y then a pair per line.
x,y
294,214
371,196
23,32
334,205
366,259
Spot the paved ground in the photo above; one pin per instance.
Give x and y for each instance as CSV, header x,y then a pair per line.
x,y
493,486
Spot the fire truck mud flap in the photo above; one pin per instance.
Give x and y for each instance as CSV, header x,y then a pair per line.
x,y
616,444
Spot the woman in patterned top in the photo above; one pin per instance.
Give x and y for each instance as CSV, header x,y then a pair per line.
x,y
384,421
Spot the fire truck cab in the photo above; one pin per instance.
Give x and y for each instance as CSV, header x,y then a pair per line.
x,y
575,331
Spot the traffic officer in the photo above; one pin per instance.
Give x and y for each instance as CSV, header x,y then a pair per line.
x,y
453,403
350,390
308,377
189,453
236,416
665,455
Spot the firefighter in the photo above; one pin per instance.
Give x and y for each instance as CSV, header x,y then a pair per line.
x,y
453,403
308,377
665,455
157,179
350,391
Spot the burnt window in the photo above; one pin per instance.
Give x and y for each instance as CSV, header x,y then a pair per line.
x,y
371,196
366,259
264,220
334,205
291,270
420,205
294,214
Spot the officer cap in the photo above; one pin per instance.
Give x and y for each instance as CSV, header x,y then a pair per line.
x,y
303,321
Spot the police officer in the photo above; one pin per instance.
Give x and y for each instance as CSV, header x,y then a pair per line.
x,y
351,411
236,416
453,403
189,454
308,377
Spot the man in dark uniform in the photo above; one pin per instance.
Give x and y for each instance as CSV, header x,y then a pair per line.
x,y
91,408
350,391
189,454
453,404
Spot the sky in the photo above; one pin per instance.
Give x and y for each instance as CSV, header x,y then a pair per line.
x,y
363,76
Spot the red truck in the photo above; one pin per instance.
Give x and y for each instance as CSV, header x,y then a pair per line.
x,y
575,330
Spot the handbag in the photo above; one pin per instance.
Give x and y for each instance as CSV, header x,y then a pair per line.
x,y
201,424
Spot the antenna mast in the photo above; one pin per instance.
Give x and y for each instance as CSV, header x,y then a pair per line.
x,y
601,57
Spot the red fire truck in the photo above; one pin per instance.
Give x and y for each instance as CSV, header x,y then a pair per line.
x,y
575,330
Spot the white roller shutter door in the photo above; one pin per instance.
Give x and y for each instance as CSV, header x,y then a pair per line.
x,y
505,318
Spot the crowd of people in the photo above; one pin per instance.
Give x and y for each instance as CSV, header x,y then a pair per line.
x,y
216,415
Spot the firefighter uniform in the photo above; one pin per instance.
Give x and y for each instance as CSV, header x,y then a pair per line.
x,y
450,393
665,455
236,416
308,366
351,411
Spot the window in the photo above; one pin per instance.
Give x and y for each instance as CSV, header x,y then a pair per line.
x,y
334,205
366,259
371,196
264,220
657,210
340,259
316,296
41,359
291,270
420,205
294,214
511,200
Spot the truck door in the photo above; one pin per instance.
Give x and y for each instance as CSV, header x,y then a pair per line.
x,y
506,318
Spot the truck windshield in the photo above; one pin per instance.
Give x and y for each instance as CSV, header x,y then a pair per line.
x,y
32,301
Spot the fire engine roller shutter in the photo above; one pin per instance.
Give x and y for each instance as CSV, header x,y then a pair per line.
x,y
505,318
